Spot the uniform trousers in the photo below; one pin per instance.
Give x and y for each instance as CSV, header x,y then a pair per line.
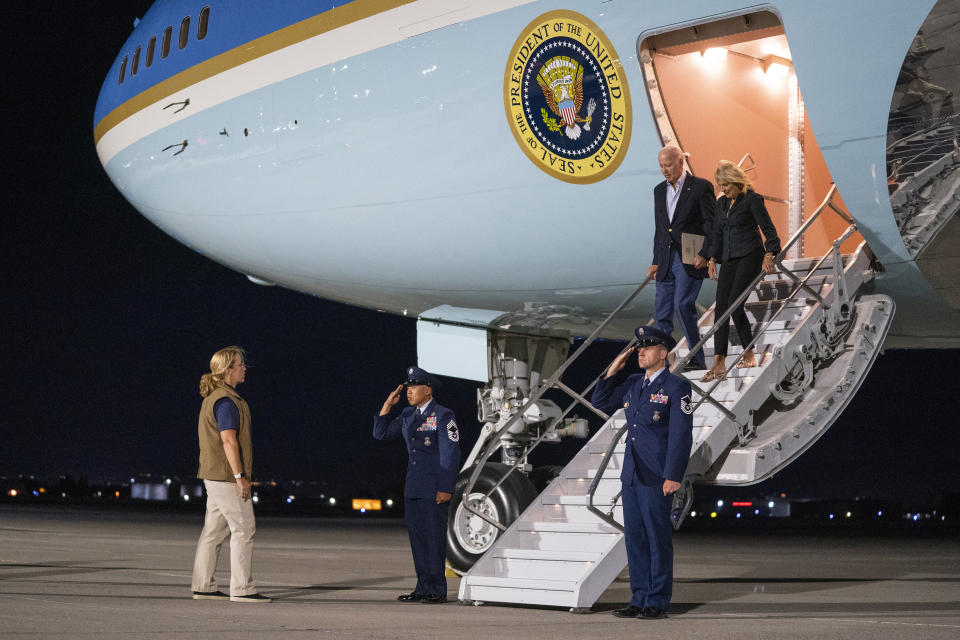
x,y
226,515
648,533
677,295
427,528
735,275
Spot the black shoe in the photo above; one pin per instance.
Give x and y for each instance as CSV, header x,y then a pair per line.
x,y
413,596
628,612
433,599
210,595
253,597
652,613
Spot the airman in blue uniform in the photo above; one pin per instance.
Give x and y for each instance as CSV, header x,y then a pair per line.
x,y
432,437
658,408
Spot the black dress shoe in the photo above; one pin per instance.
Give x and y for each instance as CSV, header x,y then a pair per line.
x,y
628,612
413,596
652,613
433,599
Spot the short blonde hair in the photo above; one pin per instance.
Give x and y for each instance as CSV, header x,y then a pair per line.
x,y
732,174
219,363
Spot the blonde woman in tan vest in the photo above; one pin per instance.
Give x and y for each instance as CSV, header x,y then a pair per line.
x,y
226,465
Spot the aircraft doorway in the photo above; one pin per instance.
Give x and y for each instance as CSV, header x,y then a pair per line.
x,y
726,90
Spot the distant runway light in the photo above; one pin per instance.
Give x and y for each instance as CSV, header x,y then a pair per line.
x,y
719,503
186,498
770,505
333,501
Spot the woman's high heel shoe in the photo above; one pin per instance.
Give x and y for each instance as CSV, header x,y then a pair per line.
x,y
713,374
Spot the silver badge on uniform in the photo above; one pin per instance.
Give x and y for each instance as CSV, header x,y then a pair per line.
x,y
656,416
626,404
686,405
426,442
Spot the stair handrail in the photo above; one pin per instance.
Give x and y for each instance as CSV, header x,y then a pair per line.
x,y
778,260
550,383
725,317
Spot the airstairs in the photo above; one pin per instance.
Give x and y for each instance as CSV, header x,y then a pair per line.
x,y
818,331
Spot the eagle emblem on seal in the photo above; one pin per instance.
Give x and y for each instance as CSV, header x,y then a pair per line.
x,y
561,80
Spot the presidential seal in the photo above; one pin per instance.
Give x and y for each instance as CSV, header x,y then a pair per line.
x,y
566,98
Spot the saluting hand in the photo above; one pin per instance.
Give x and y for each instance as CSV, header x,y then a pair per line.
x,y
619,362
443,496
391,400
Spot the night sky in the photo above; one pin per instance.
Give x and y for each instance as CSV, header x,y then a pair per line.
x,y
107,325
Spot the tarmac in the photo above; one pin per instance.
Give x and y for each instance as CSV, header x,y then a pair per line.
x,y
83,572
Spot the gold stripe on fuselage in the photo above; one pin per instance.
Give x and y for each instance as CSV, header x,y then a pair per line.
x,y
297,32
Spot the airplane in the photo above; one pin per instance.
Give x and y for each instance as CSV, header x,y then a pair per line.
x,y
486,167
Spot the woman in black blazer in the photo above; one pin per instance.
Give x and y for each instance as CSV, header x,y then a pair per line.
x,y
738,247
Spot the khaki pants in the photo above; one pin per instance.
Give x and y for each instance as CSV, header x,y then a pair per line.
x,y
226,515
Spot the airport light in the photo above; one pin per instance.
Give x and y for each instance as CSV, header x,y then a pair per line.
x,y
366,504
713,514
719,504
256,499
332,501
186,498
389,502
714,54
693,514
12,493
849,514
738,515
831,516
770,505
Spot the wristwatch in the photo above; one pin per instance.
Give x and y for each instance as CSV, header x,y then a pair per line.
x,y
238,475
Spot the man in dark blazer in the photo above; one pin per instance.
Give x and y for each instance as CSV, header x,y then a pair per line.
x,y
430,432
658,409
682,204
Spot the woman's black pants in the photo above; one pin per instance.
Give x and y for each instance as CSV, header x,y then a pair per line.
x,y
735,275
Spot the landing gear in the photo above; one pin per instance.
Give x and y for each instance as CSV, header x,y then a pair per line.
x,y
468,535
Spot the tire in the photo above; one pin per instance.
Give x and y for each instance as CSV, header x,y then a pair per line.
x,y
541,477
468,535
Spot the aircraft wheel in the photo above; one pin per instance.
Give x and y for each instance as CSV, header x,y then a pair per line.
x,y
468,535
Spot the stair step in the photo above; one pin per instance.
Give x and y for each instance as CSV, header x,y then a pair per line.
x,y
546,555
598,500
567,527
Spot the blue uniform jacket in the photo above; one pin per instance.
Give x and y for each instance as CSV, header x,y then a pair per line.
x,y
433,447
660,429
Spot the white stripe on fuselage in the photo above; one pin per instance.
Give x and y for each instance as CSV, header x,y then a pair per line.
x,y
343,42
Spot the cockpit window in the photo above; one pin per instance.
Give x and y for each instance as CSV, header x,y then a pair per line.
x,y
184,32
202,24
165,45
123,69
136,62
151,46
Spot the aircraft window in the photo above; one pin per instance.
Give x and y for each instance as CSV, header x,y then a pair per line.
x,y
123,69
136,62
184,32
150,48
165,45
202,24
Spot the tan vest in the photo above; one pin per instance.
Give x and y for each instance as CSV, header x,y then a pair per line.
x,y
213,459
